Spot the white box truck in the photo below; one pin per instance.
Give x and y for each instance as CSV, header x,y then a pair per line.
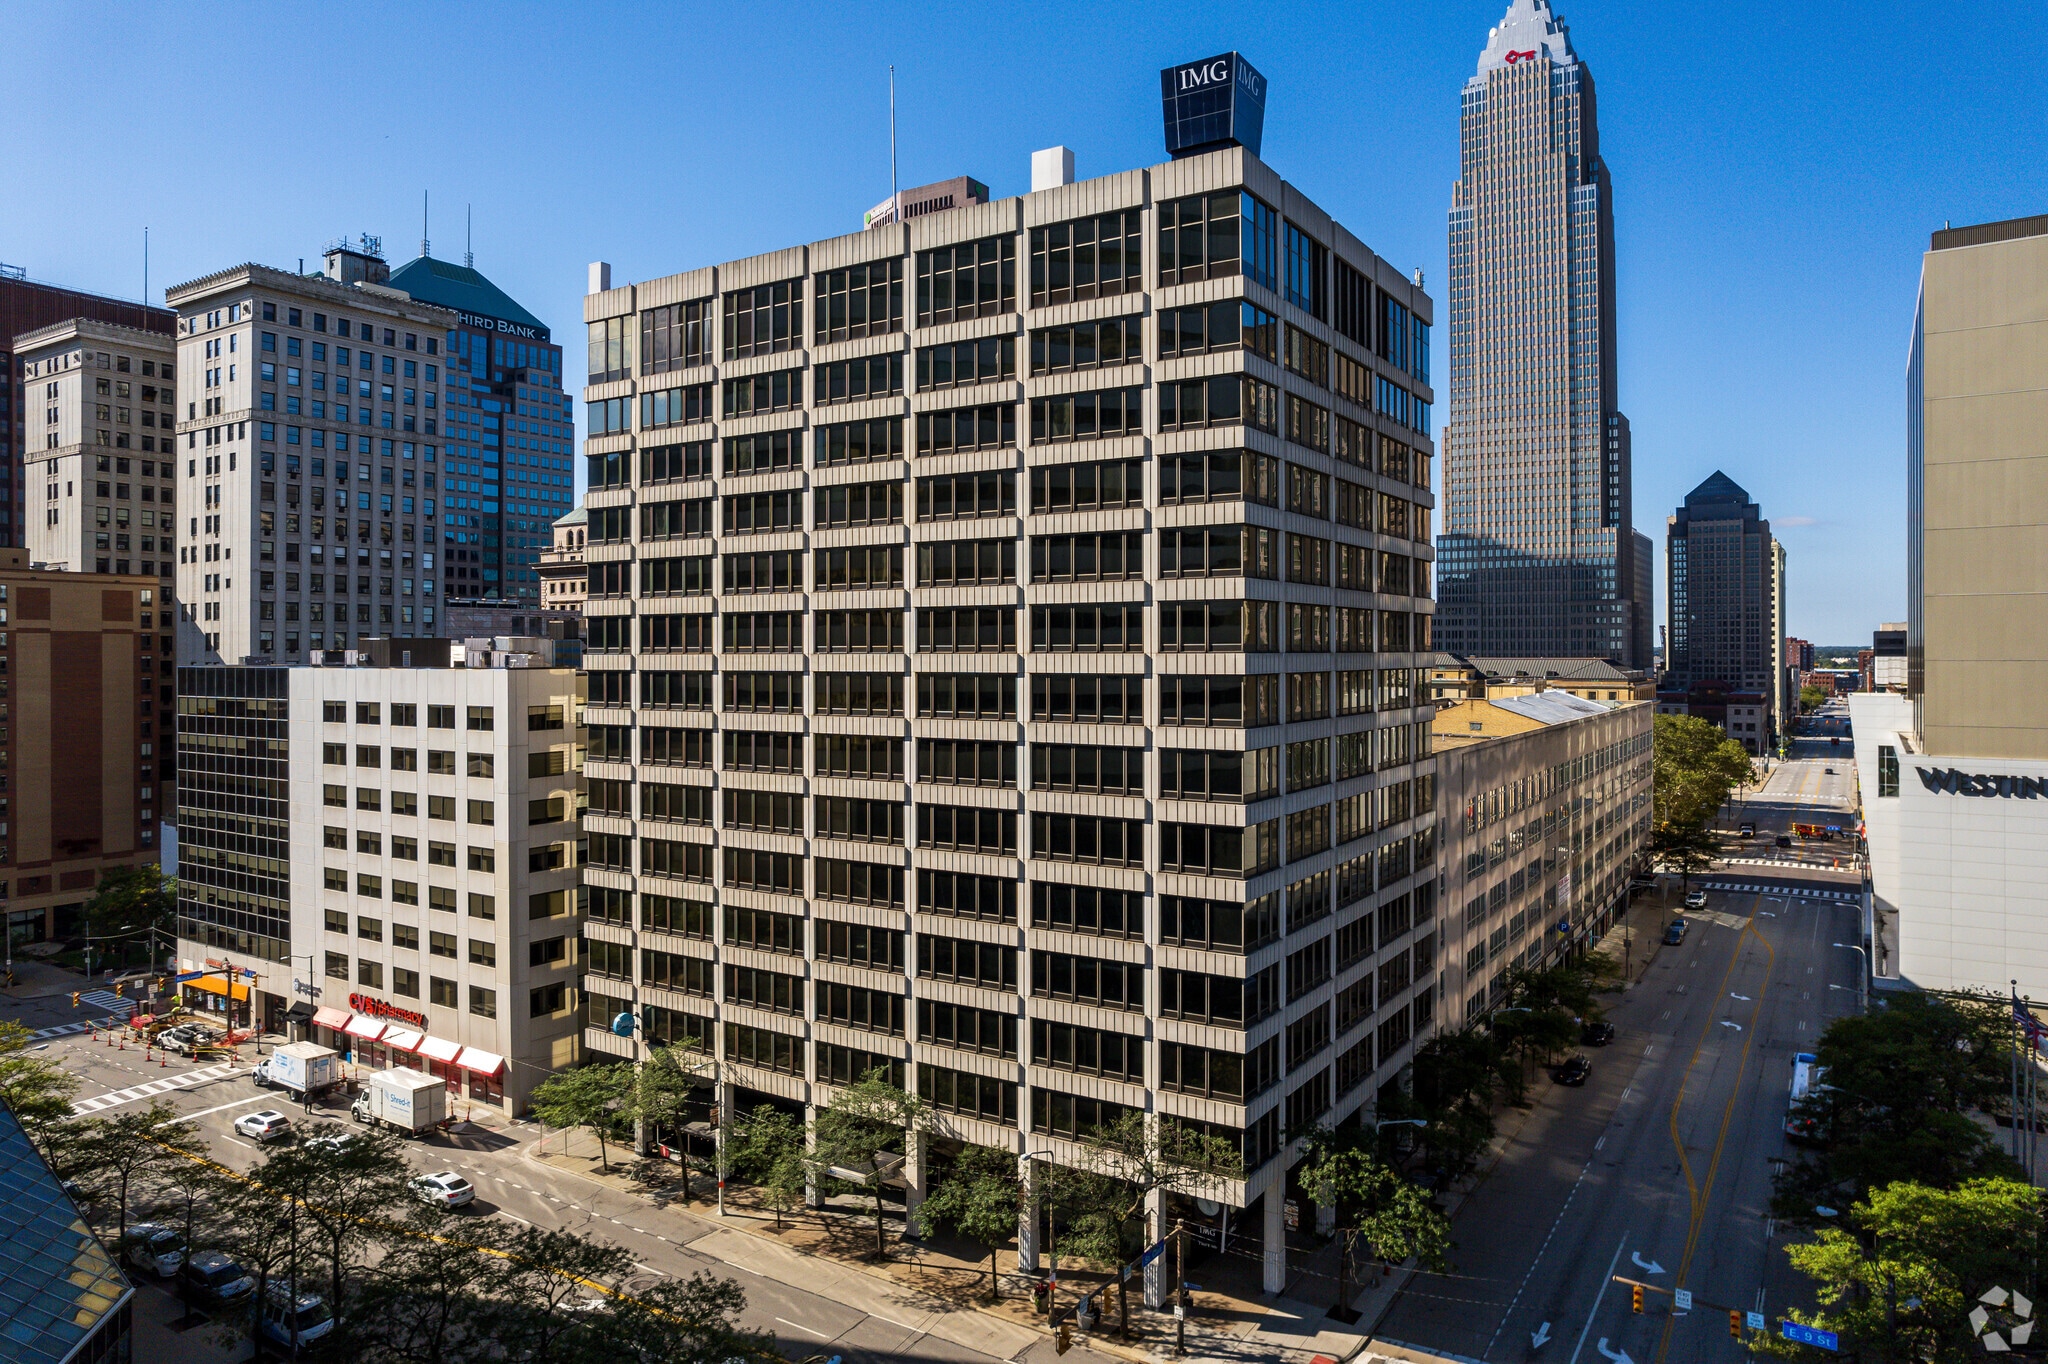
x,y
403,1099
303,1068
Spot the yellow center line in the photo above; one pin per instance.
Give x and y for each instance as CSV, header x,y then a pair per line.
x,y
1699,1194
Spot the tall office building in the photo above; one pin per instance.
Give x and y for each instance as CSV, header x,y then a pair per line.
x,y
1954,767
310,464
1003,632
27,306
1723,566
1539,556
510,433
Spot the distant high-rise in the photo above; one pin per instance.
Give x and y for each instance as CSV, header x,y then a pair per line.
x,y
1726,598
1538,555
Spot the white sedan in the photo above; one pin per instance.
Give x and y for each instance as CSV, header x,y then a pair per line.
x,y
445,1189
155,1248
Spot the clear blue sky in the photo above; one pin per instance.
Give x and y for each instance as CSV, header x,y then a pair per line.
x,y
1776,171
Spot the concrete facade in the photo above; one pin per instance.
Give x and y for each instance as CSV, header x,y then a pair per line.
x,y
913,746
564,577
1550,819
311,497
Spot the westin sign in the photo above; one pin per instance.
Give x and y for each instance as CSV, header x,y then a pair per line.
x,y
1219,102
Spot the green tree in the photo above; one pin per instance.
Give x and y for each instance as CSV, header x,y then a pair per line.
x,y
1810,699
1898,1280
681,1320
669,1081
865,1120
119,1158
1694,768
1901,1088
352,1182
264,1228
1372,1204
1455,1079
598,1097
427,1299
132,903
767,1150
35,1089
977,1198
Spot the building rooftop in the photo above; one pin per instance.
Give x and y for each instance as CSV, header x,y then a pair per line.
x,y
57,1282
1551,669
462,288
1553,707
575,517
1527,29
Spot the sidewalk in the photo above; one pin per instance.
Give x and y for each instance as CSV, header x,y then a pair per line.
x,y
940,1286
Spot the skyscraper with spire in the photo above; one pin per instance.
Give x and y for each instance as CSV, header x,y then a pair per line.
x,y
1539,556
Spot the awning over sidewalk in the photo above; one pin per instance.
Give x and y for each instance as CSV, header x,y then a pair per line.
x,y
439,1048
365,1027
481,1061
331,1018
403,1039
300,1012
218,985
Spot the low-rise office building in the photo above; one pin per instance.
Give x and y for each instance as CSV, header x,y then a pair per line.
x,y
1549,818
1455,677
564,576
424,906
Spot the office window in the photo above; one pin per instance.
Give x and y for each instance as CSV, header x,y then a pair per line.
x,y
1307,270
1216,235
852,381
971,279
764,320
860,300
961,363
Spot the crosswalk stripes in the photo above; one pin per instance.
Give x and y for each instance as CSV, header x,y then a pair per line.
x,y
61,1030
115,1006
149,1090
1796,892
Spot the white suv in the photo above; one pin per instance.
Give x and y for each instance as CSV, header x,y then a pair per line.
x,y
268,1125
445,1189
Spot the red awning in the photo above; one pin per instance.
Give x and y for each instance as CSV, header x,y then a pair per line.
x,y
403,1039
481,1061
439,1049
331,1018
365,1027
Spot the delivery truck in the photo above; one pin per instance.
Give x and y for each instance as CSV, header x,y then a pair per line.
x,y
402,1099
306,1069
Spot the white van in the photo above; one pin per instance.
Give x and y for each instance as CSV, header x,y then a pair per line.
x,y
1806,1079
286,1312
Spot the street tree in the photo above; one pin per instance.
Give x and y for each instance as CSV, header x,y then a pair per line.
x,y
428,1298
132,903
767,1150
669,1081
264,1228
1145,1156
1902,1087
1811,699
195,1189
1898,1278
1372,1204
977,1198
35,1089
864,1123
684,1320
119,1158
598,1097
1694,768
1455,1080
352,1184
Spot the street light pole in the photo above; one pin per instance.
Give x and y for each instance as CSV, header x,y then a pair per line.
x,y
1863,978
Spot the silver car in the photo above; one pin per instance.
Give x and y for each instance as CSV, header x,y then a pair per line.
x,y
445,1189
156,1248
269,1125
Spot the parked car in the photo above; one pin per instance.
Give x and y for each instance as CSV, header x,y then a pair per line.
x,y
154,1247
1696,900
286,1314
1675,934
1573,1072
183,1041
215,1280
1784,840
1597,1034
1747,830
1829,770
445,1189
330,1144
269,1125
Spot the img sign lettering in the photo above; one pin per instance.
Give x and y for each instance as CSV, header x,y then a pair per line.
x,y
1954,783
1216,102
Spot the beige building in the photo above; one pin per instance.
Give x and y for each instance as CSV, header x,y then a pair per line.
x,y
312,417
564,579
1004,636
85,753
1454,677
1549,818
98,448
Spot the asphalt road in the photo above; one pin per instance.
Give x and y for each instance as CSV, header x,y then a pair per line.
x,y
1800,790
514,1186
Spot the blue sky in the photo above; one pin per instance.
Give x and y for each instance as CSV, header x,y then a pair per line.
x,y
1776,171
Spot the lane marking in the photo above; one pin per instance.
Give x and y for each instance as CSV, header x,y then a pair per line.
x,y
651,1269
807,1330
1605,1279
1524,1287
220,1108
513,1216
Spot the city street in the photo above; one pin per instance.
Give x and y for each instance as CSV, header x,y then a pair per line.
x,y
1660,1168
853,1315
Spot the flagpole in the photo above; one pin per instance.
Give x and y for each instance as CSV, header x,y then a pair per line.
x,y
2015,1083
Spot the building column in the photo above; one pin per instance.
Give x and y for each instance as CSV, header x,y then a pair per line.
x,y
1276,1237
916,1159
1156,1273
1027,1217
812,1198
721,1134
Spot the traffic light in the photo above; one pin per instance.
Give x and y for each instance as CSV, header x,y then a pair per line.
x,y
1735,1323
74,999
1635,1298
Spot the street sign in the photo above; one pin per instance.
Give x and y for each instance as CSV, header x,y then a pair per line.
x,y
1809,1335
1755,1321
1681,1300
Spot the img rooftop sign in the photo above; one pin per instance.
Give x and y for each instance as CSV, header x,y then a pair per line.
x,y
1954,783
1216,102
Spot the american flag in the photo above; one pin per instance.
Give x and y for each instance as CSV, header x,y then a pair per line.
x,y
2028,1023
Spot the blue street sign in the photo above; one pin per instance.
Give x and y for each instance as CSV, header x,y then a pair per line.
x,y
622,1025
1809,1335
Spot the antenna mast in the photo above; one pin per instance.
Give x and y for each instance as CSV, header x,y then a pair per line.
x,y
426,247
468,256
145,267
895,210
